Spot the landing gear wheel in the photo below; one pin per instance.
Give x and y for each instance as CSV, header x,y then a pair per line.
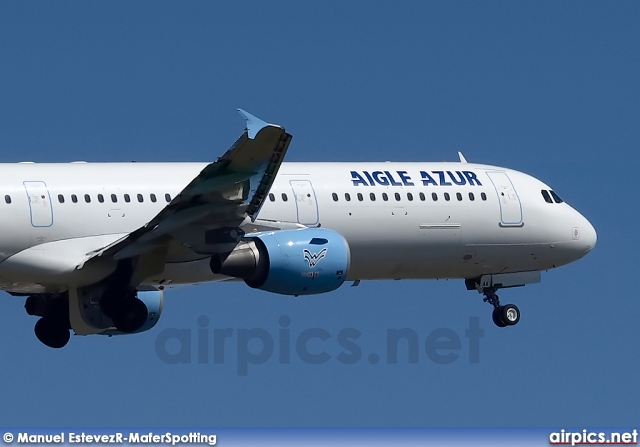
x,y
502,316
497,317
52,333
510,314
36,305
131,315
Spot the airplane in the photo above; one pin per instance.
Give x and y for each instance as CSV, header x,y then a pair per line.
x,y
93,246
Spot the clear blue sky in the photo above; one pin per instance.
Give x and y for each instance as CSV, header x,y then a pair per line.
x,y
549,88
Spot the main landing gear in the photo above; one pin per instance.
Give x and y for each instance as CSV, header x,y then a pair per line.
x,y
52,329
507,315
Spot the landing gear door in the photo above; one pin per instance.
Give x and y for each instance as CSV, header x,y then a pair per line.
x,y
39,204
306,204
510,207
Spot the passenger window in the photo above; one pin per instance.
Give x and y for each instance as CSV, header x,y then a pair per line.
x,y
447,197
385,197
284,197
483,196
74,198
347,197
335,197
100,198
152,196
398,196
7,199
472,197
87,198
434,196
127,198
140,198
114,198
556,197
409,196
422,197
360,198
272,198
459,196
60,198
547,197
167,198
372,196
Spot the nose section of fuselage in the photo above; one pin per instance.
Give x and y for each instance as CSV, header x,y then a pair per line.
x,y
584,236
573,234
591,236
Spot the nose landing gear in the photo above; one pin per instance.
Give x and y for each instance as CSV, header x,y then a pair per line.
x,y
507,315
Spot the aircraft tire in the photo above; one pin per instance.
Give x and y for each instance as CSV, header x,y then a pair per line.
x,y
497,317
52,333
510,314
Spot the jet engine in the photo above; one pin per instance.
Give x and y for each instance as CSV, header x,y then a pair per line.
x,y
153,301
289,262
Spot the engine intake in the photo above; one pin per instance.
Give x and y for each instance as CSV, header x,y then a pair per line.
x,y
154,301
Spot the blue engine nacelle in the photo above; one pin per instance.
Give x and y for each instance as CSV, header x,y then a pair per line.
x,y
290,262
154,300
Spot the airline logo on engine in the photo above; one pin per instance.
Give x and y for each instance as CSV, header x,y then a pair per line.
x,y
314,258
402,178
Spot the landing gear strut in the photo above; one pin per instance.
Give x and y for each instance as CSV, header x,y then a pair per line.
x,y
507,315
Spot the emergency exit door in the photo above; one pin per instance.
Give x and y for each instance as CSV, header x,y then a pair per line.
x,y
306,204
39,204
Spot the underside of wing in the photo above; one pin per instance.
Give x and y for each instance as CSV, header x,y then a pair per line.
x,y
226,193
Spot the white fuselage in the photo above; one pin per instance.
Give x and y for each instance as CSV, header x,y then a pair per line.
x,y
76,208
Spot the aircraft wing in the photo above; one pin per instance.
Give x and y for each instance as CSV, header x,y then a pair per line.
x,y
224,194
